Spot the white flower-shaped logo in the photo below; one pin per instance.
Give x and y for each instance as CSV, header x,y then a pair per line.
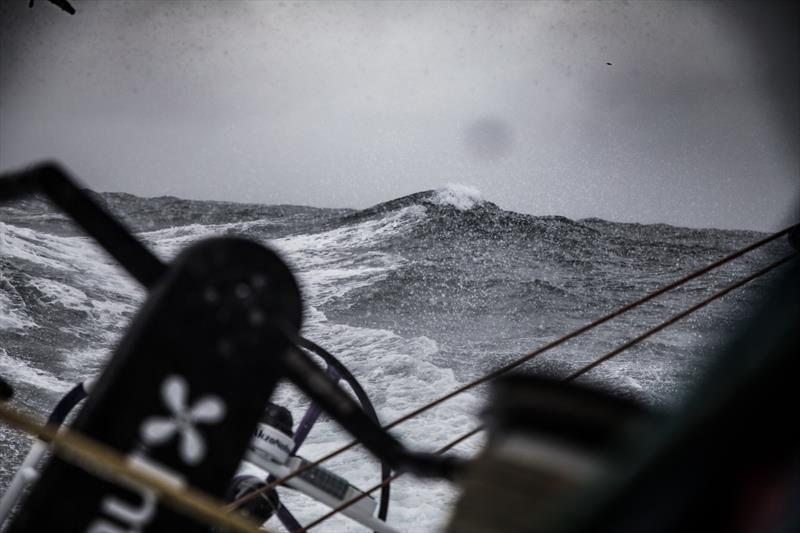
x,y
206,410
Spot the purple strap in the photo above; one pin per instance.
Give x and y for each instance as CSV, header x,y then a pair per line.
x,y
311,415
288,520
303,428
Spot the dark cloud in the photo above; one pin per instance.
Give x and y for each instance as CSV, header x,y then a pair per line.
x,y
353,103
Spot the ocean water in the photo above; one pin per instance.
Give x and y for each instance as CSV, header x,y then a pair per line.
x,y
416,295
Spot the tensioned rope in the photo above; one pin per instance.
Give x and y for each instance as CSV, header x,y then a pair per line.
x,y
524,359
574,375
683,314
385,482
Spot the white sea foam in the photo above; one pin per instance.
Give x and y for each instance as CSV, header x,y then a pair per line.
x,y
329,264
462,197
13,316
398,372
17,370
167,242
59,293
71,254
29,245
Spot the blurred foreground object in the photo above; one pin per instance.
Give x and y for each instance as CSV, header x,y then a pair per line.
x,y
727,460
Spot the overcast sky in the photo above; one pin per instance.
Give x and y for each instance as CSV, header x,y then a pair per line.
x,y
350,104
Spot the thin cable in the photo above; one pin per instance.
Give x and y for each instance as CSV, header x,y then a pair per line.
x,y
524,359
111,465
679,316
372,489
581,371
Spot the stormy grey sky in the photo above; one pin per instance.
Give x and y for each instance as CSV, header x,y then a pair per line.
x,y
353,103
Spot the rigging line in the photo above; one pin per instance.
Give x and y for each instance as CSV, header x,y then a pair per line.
x,y
581,371
516,363
386,481
678,316
109,464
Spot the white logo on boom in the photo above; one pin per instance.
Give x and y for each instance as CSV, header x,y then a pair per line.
x,y
206,410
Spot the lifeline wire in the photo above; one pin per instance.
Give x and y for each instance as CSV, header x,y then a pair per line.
x,y
111,465
386,481
516,363
675,318
576,374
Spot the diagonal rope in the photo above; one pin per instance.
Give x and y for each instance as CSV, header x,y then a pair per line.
x,y
524,359
574,375
111,465
683,314
386,481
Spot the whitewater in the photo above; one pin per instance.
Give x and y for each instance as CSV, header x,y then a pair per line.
x,y
416,296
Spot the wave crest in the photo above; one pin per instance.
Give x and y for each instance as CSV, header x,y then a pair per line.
x,y
462,197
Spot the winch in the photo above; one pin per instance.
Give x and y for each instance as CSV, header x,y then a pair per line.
x,y
272,452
